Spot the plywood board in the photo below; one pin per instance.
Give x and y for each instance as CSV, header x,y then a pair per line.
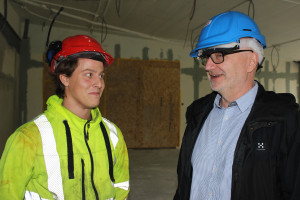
x,y
143,99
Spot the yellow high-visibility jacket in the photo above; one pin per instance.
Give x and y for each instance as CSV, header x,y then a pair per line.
x,y
61,156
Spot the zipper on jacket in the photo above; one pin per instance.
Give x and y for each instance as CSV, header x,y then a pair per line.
x,y
86,133
82,179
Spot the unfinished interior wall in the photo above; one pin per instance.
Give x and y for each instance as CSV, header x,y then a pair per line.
x,y
8,90
193,80
10,28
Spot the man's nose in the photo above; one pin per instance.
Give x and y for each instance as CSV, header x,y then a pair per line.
x,y
98,82
209,64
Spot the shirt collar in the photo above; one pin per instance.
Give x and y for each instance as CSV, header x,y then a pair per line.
x,y
243,102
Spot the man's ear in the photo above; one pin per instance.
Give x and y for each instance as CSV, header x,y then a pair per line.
x,y
64,79
253,62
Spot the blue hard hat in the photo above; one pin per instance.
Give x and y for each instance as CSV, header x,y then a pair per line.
x,y
226,28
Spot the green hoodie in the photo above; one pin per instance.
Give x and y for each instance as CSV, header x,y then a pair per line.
x,y
61,156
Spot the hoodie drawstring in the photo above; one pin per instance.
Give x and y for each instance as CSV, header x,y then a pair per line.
x,y
70,150
109,154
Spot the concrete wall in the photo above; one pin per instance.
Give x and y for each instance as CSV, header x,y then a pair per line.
x,y
9,64
8,90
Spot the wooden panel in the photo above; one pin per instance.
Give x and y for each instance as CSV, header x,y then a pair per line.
x,y
143,99
122,99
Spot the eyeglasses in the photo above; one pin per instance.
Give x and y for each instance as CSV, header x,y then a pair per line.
x,y
217,56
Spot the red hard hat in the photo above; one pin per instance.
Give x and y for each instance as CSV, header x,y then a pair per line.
x,y
80,45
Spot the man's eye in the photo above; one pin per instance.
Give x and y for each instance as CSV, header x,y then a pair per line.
x,y
89,74
218,55
101,76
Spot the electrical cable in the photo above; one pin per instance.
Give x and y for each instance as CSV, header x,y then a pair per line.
x,y
251,3
115,28
274,66
103,23
96,16
103,28
192,12
282,43
57,21
142,35
106,8
50,27
97,11
42,4
118,5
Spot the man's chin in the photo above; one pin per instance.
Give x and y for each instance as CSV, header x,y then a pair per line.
x,y
94,105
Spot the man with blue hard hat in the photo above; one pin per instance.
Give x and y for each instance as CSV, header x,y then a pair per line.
x,y
241,142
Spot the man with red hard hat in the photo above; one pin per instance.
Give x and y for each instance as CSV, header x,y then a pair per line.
x,y
70,151
241,142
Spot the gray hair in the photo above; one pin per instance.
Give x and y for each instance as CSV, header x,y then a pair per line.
x,y
254,45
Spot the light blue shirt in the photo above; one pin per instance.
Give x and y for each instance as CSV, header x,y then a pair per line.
x,y
213,153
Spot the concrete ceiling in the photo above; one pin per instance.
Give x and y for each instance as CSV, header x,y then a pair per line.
x,y
172,20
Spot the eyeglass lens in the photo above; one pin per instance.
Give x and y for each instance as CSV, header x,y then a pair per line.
x,y
216,57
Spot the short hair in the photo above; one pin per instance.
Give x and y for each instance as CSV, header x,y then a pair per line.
x,y
67,66
255,45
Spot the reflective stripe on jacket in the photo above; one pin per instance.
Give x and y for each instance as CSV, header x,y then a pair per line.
x,y
61,156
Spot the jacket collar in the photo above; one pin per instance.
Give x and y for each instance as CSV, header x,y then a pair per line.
x,y
54,105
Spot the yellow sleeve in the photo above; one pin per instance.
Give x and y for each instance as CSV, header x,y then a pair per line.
x,y
16,164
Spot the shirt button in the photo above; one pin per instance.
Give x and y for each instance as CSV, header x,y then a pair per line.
x,y
210,195
220,142
214,168
226,117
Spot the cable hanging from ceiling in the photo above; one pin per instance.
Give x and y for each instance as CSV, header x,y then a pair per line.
x,y
118,6
103,22
50,27
277,62
103,30
251,4
192,12
43,5
276,47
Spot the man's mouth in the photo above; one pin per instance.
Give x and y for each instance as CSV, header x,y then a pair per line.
x,y
94,93
215,75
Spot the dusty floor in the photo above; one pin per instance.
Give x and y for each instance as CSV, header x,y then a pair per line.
x,y
153,173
